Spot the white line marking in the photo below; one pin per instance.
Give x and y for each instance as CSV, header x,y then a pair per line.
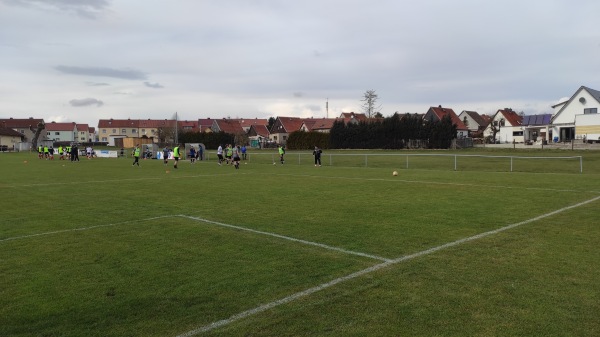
x,y
83,228
434,183
331,283
287,238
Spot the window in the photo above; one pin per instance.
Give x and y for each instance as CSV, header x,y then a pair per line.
x,y
22,131
517,133
502,122
132,130
103,130
48,133
284,138
143,130
114,131
57,133
104,139
82,133
123,131
590,111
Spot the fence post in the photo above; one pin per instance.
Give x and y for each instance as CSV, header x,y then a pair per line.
x,y
454,162
580,164
511,163
366,161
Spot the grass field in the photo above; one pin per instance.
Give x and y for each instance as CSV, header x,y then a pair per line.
x,y
101,248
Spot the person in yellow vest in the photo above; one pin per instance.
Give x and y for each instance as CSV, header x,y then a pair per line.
x,y
61,153
176,153
46,153
40,152
136,155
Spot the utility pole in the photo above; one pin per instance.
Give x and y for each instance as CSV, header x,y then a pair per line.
x,y
327,108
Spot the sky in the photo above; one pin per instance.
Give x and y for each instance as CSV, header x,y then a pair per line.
x,y
85,60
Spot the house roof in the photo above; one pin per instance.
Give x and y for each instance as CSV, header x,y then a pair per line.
x,y
134,123
440,112
486,119
319,123
22,123
476,117
259,130
351,115
10,132
229,126
83,127
513,118
246,123
60,126
289,124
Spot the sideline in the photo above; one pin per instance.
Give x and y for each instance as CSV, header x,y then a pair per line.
x,y
331,283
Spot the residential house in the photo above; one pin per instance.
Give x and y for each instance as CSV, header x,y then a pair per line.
x,y
231,126
188,126
282,128
111,129
435,114
577,118
474,122
323,125
509,127
27,127
83,133
205,124
62,132
536,128
353,118
9,137
258,135
247,123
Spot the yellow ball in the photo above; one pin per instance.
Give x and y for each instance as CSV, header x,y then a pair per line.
x,y
395,173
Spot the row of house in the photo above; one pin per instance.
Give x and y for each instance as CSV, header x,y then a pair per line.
x,y
575,118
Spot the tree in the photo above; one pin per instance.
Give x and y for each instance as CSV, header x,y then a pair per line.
x,y
271,122
370,101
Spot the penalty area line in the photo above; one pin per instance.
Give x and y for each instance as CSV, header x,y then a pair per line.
x,y
288,299
279,236
84,228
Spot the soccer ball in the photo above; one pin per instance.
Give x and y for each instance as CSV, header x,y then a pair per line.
x,y
395,173
274,163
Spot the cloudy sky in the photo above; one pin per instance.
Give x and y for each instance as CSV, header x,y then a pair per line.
x,y
84,60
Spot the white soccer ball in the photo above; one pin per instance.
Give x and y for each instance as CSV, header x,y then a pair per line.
x,y
395,173
274,163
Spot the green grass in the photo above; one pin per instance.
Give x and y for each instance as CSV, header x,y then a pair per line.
x,y
100,248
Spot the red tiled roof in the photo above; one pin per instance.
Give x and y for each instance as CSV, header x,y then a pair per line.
x,y
229,126
290,124
351,115
319,123
260,130
440,112
21,123
9,132
511,116
60,126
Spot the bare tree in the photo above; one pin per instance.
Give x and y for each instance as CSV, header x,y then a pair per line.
x,y
369,106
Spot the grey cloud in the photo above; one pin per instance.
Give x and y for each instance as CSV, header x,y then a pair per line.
x,y
89,9
153,85
298,94
128,74
86,102
96,84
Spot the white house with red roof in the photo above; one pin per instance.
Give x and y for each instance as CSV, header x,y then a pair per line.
x,y
509,125
62,132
